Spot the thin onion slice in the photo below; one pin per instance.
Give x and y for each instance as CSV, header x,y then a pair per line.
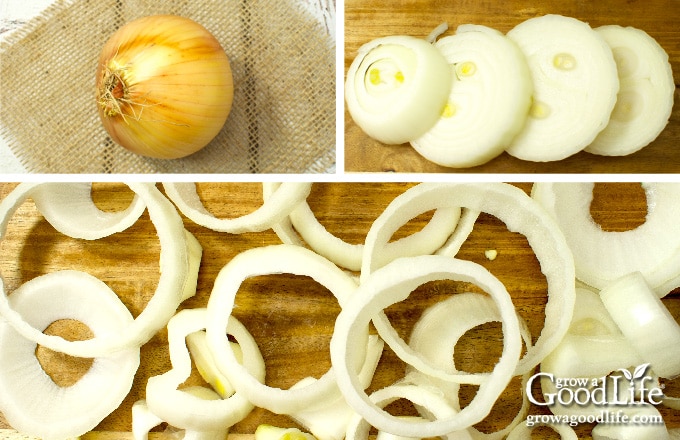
x,y
393,283
30,400
575,87
143,420
396,88
645,99
489,100
645,321
274,209
178,258
601,257
426,241
267,260
520,214
188,411
69,208
439,329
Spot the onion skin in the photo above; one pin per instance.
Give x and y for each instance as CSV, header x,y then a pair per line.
x,y
164,86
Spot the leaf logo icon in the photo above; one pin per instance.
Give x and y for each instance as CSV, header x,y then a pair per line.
x,y
639,371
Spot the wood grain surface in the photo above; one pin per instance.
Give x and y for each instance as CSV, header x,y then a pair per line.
x,y
366,20
292,317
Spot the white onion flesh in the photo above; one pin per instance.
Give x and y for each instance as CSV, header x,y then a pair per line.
x,y
31,401
645,321
69,208
489,101
633,431
264,261
393,283
575,87
397,87
601,257
143,420
274,209
186,410
178,255
645,99
520,214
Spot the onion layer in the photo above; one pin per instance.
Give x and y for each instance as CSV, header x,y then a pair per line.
x,y
30,400
164,86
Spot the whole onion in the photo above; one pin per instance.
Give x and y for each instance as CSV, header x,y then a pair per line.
x,y
164,86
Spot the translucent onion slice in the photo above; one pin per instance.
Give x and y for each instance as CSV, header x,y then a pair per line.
x,y
186,410
269,432
439,329
391,284
523,431
426,241
601,257
429,398
489,101
397,87
179,256
645,321
466,224
274,209
645,99
520,214
575,86
69,208
267,260
143,420
32,403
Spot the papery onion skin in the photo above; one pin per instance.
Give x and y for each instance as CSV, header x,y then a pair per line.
x,y
164,86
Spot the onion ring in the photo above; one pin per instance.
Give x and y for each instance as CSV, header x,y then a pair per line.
x,y
274,209
177,258
520,214
264,261
31,401
393,283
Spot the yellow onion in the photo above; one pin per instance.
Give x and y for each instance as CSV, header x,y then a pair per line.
x,y
164,86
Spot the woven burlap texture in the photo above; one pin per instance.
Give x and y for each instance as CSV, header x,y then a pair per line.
x,y
283,63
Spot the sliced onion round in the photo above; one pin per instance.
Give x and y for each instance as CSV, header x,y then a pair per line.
x,y
31,401
179,251
274,209
520,214
264,261
393,283
601,257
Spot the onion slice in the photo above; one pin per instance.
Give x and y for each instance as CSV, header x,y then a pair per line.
x,y
652,248
575,86
186,410
391,284
178,260
274,209
520,214
645,99
396,88
645,321
264,261
143,420
69,208
30,400
489,100
523,431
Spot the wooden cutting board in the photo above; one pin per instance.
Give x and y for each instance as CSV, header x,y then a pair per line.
x,y
291,317
367,20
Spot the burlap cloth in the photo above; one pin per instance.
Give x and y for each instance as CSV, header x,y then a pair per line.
x,y
283,62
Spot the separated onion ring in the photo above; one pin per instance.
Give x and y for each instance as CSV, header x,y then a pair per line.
x,y
426,241
393,283
274,209
30,400
397,88
179,257
186,410
520,214
264,261
600,257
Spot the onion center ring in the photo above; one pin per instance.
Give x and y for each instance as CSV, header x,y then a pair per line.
x,y
268,260
393,283
520,214
170,291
